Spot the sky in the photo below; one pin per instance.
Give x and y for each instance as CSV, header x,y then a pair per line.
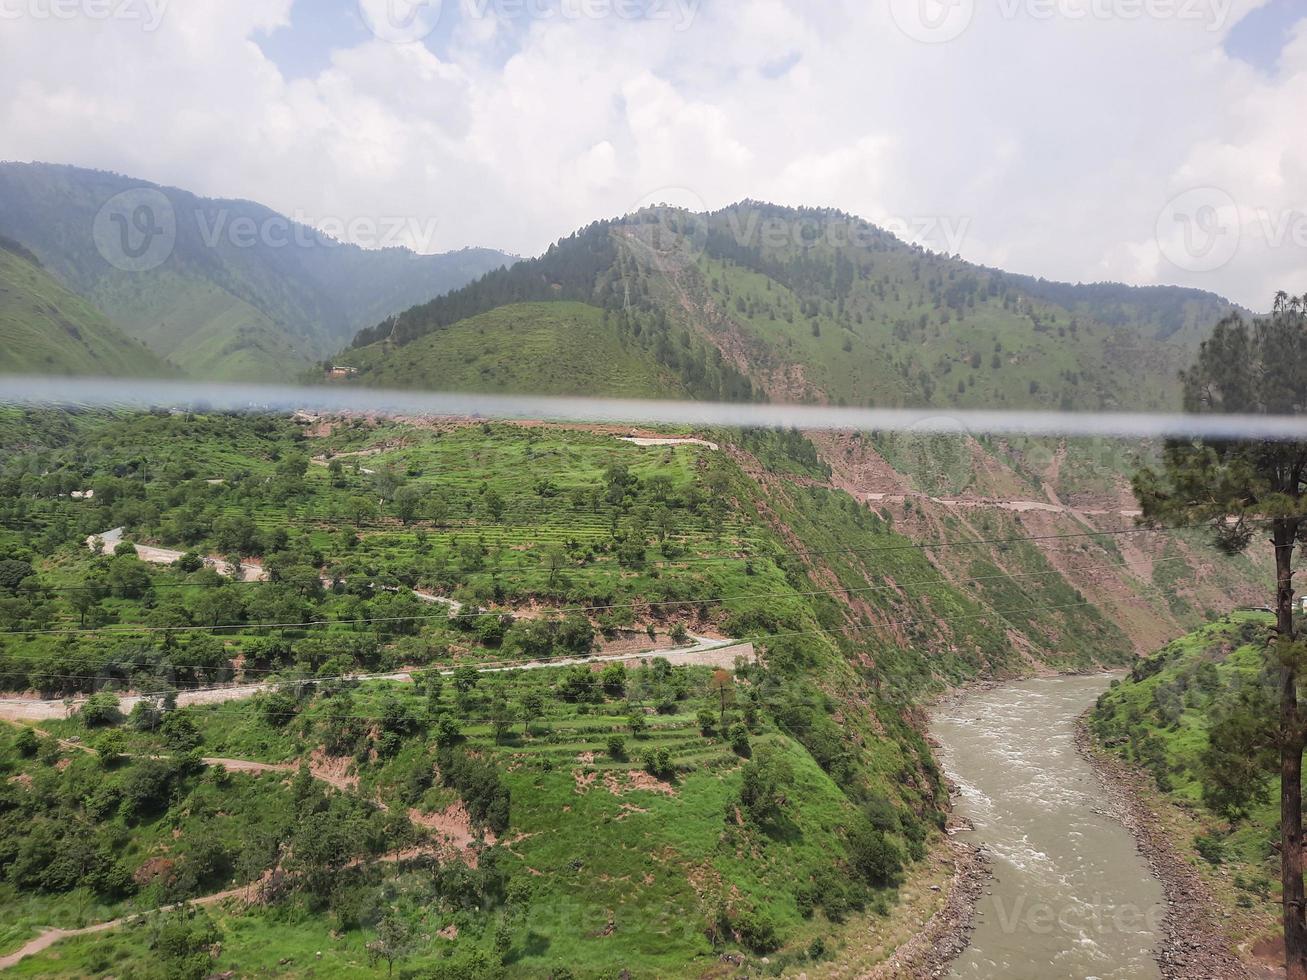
x,y
1145,141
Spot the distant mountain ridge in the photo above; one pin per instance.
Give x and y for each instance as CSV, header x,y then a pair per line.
x,y
802,304
242,292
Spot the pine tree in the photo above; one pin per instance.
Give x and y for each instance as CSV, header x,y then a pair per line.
x,y
1237,487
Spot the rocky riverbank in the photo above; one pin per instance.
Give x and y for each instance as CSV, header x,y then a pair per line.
x,y
1194,944
931,951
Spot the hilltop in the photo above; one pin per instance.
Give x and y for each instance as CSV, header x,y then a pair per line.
x,y
760,301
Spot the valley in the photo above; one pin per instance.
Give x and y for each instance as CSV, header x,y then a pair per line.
x,y
512,699
535,604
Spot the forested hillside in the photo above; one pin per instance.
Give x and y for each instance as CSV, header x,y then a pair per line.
x,y
727,760
240,292
809,305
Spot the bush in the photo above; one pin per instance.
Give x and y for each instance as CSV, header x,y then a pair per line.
x,y
1210,849
478,784
277,709
757,930
101,710
181,939
874,858
179,732
26,742
739,739
658,763
617,748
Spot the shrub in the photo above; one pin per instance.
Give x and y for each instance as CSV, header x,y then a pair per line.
x,y
101,710
874,858
707,721
179,732
26,742
739,739
658,763
617,748
757,930
1210,849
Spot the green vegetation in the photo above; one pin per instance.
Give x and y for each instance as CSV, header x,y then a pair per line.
x,y
246,294
1169,717
1242,488
802,304
540,348
649,817
45,329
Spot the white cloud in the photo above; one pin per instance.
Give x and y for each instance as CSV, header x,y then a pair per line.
x,y
1056,142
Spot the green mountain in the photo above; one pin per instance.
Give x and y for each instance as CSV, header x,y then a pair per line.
x,y
45,329
225,289
759,301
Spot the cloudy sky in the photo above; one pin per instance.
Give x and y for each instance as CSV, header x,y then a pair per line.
x,y
1140,140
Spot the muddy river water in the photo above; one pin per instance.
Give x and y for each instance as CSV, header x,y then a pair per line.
x,y
1071,898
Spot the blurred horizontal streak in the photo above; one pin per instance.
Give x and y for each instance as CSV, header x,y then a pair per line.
x,y
36,392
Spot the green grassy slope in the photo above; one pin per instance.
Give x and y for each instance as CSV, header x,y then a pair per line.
x,y
536,348
45,329
1159,719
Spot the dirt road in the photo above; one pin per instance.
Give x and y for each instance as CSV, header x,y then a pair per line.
x,y
110,540
705,653
648,443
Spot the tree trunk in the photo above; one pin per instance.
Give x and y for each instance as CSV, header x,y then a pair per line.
x,y
1291,753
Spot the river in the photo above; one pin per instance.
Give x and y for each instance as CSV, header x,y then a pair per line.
x,y
1071,897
